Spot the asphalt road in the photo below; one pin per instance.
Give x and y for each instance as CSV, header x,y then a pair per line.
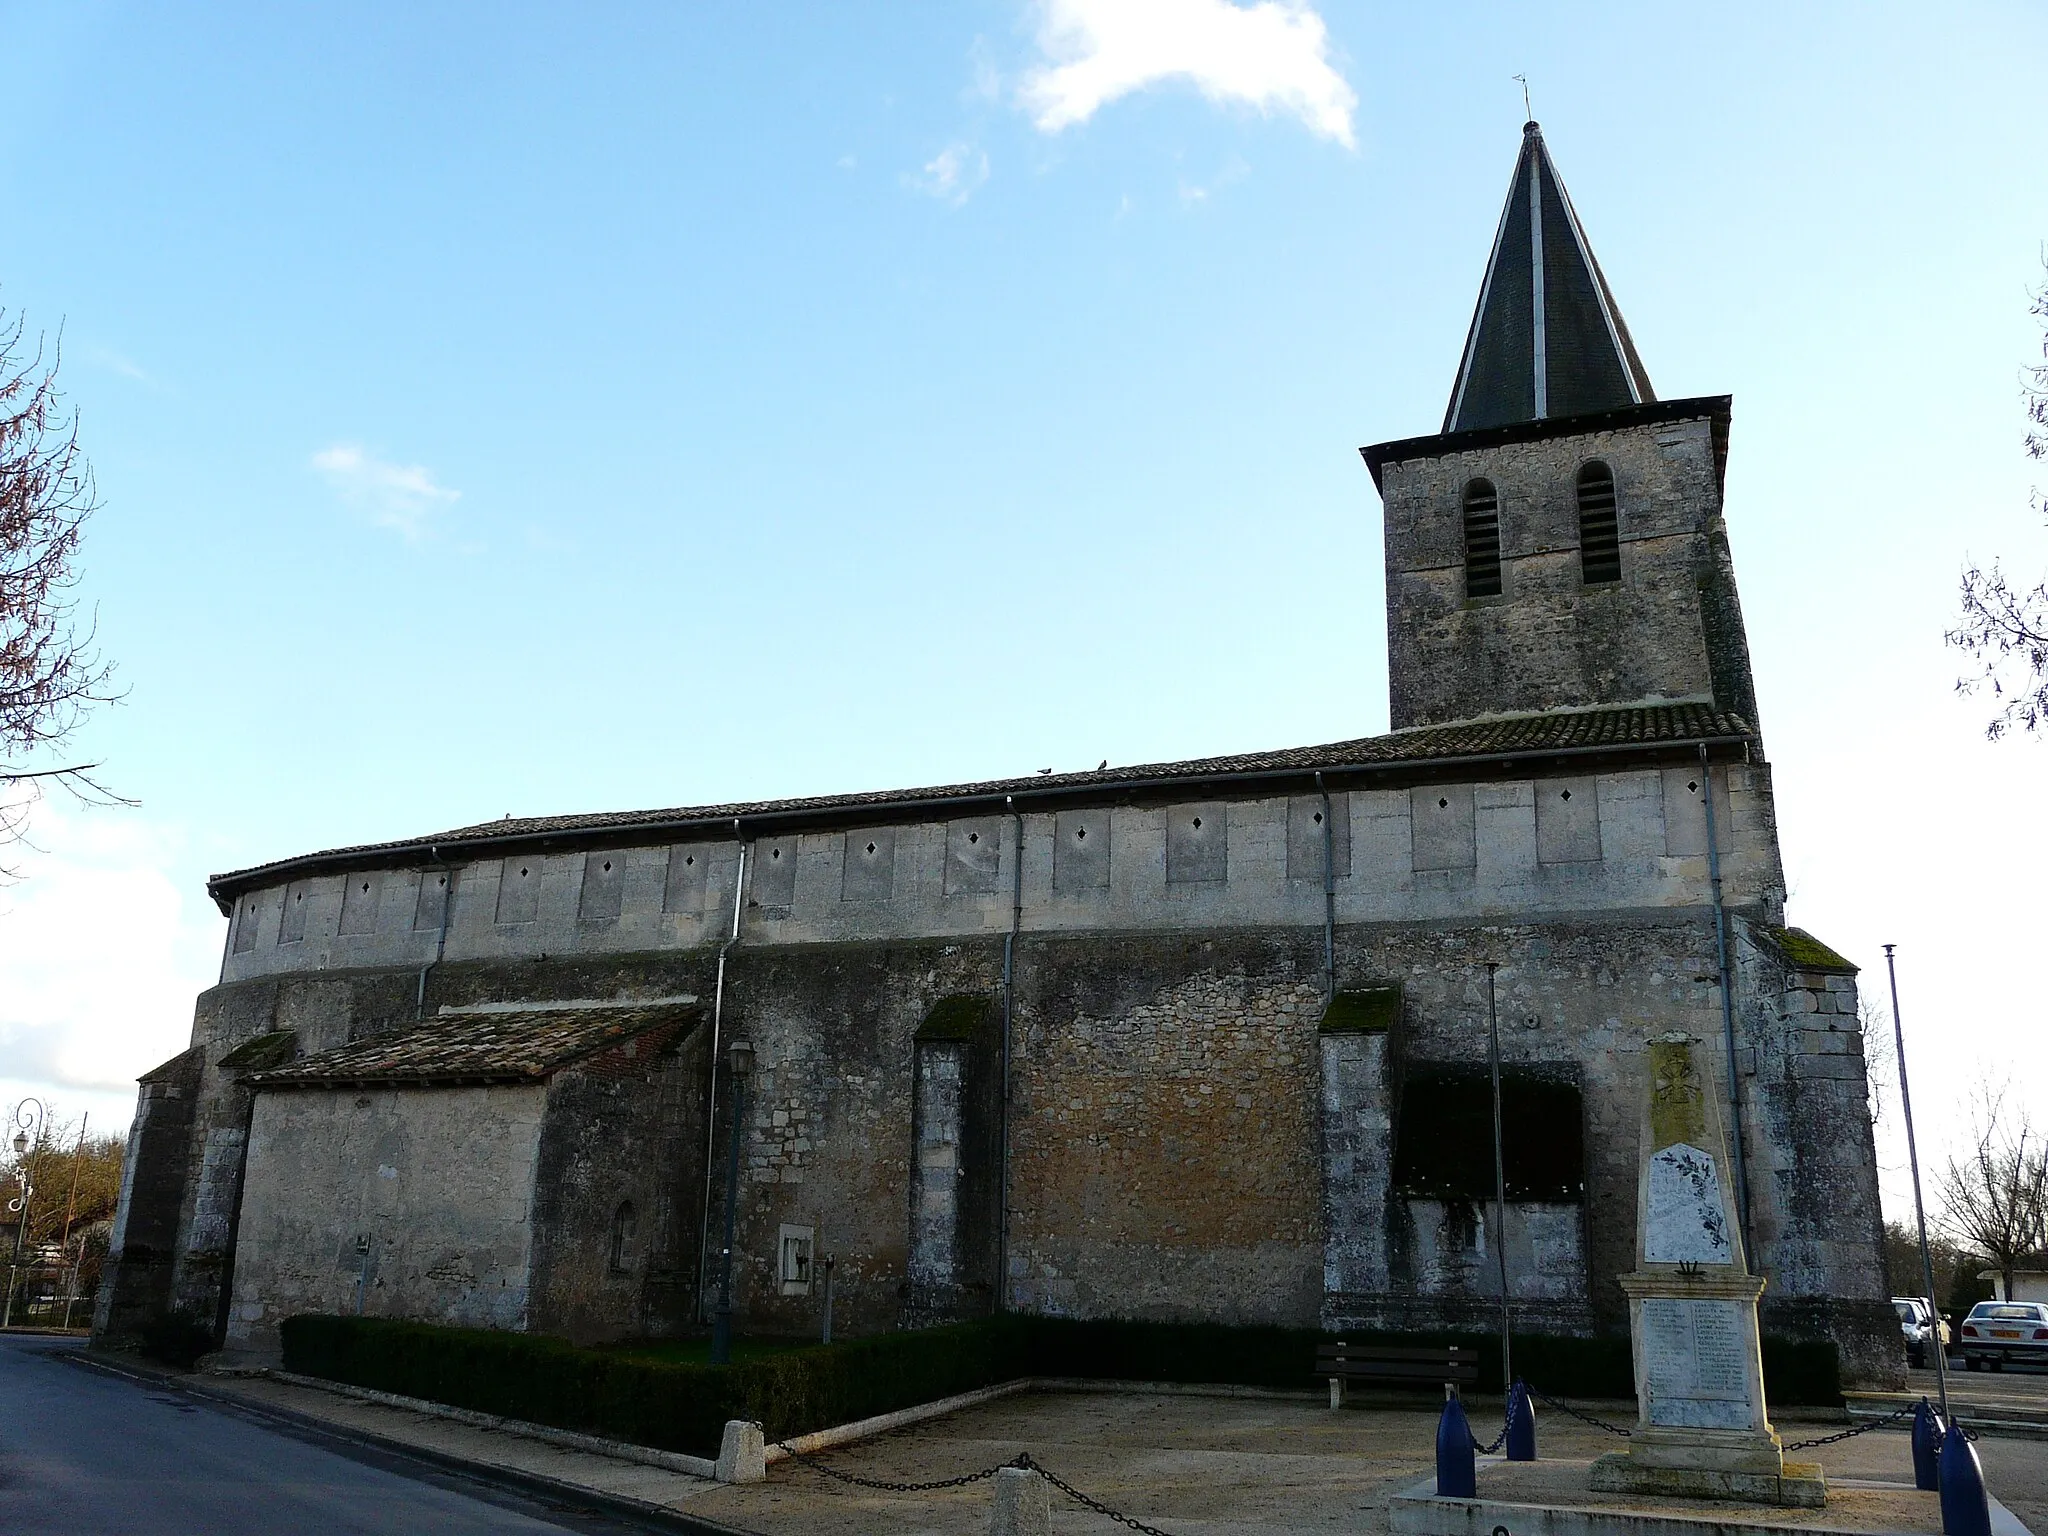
x,y
87,1452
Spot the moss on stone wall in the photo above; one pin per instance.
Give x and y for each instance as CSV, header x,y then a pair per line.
x,y
1803,951
1367,1011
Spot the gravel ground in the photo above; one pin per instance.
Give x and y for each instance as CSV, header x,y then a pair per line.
x,y
1189,1465
1200,1465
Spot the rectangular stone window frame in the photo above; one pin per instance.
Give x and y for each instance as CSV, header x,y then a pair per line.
x,y
1568,821
1081,850
771,872
685,879
1198,844
518,890
868,865
291,923
361,894
1443,829
248,917
975,851
795,1259
601,893
430,911
1305,843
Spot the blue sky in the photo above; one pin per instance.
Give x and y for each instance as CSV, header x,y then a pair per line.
x,y
519,409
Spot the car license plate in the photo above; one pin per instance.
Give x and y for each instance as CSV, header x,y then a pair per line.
x,y
2005,1333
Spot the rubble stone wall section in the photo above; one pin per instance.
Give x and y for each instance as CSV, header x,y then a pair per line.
x,y
1170,1151
618,1190
1551,640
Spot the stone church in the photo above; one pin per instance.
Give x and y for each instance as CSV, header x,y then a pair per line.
x,y
1193,1040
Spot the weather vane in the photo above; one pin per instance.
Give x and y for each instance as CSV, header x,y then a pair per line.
x,y
1528,111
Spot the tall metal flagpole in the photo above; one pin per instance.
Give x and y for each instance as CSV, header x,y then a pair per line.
x,y
1919,1209
1500,1186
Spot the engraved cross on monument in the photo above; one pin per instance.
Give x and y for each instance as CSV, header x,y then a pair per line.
x,y
1702,1430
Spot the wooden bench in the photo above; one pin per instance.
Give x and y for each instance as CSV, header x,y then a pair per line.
x,y
1451,1365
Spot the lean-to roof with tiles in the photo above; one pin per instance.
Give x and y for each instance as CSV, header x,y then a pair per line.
x,y
481,1046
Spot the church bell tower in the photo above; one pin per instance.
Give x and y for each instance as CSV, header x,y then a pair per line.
x,y
1560,543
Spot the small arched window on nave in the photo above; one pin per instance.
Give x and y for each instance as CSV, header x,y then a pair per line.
x,y
621,1255
1599,530
1482,540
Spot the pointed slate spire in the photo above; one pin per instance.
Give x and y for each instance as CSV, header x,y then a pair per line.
x,y
1547,339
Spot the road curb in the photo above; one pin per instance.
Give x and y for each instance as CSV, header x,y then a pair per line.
x,y
595,1501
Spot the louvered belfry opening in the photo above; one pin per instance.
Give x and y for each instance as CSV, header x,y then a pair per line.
x,y
1482,540
1599,531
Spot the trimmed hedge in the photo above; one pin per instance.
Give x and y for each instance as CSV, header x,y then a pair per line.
x,y
673,1406
684,1407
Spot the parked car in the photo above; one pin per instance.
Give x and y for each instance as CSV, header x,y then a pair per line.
x,y
1919,1322
1996,1332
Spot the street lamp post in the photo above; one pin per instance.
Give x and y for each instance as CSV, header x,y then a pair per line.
x,y
28,1132
1919,1209
741,1060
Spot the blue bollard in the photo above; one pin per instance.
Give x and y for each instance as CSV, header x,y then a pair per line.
x,y
1927,1429
1457,1474
1521,1424
1965,1506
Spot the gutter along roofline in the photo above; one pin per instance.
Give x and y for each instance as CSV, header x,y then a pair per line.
x,y
1719,409
224,888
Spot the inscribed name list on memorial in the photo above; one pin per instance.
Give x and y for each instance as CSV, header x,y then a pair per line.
x,y
1696,1365
1686,1222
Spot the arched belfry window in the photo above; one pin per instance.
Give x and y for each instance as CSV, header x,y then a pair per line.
x,y
1599,532
1482,540
621,1256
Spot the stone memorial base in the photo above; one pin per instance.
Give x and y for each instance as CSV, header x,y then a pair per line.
x,y
1551,1498
1690,1469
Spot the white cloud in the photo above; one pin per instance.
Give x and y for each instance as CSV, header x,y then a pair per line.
x,y
400,496
1273,56
953,174
1194,194
118,363
986,86
101,955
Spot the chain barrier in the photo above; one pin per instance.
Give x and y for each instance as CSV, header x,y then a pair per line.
x,y
1021,1459
1502,1438
880,1485
1079,1497
1858,1429
1563,1407
1024,1459
1850,1433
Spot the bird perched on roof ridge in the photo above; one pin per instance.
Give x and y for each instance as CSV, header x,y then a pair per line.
x,y
1102,765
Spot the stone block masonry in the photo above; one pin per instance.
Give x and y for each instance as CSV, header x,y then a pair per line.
x,y
1670,628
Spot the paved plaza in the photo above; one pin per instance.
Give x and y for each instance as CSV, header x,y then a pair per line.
x,y
250,1454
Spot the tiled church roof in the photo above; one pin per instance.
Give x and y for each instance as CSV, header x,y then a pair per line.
x,y
484,1046
1553,733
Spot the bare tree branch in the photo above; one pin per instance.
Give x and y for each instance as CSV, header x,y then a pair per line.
x,y
1995,1197
51,674
2004,629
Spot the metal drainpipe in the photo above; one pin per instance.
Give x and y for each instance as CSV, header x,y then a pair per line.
x,y
739,892
1009,1016
1727,1012
1329,898
441,941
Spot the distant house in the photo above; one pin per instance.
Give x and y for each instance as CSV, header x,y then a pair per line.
x,y
2029,1280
